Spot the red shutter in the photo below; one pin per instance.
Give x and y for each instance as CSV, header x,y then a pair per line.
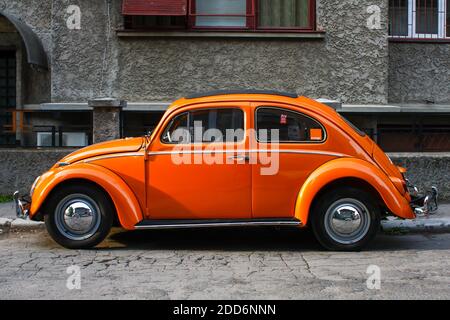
x,y
154,7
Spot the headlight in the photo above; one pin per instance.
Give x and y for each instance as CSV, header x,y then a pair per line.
x,y
33,186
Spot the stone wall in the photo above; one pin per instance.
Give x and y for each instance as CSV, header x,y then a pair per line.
x,y
419,73
426,170
21,166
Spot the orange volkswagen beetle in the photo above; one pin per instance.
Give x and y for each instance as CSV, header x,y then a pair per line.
x,y
223,159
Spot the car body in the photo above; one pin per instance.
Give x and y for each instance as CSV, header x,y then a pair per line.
x,y
327,174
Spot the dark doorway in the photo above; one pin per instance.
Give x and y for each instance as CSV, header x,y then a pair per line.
x,y
7,97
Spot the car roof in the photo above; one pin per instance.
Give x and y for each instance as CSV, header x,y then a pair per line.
x,y
267,96
238,92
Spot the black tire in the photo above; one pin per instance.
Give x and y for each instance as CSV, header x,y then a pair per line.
x,y
100,207
331,222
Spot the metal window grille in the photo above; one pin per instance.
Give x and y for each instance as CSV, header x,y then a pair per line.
x,y
7,97
419,19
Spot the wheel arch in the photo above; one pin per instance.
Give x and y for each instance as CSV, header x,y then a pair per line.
x,y
74,181
349,182
356,172
127,208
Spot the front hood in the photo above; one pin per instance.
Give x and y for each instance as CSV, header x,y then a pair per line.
x,y
109,147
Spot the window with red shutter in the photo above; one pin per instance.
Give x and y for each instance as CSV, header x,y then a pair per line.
x,y
244,15
154,7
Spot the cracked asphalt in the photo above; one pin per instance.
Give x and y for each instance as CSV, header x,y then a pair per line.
x,y
260,263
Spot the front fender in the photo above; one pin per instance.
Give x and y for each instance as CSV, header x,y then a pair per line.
x,y
351,168
125,202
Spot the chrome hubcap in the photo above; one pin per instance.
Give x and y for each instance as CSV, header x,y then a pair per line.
x,y
347,221
77,217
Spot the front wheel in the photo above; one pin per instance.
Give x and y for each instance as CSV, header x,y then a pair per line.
x,y
345,219
79,216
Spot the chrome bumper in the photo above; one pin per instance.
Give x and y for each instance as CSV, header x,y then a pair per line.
x,y
426,204
22,206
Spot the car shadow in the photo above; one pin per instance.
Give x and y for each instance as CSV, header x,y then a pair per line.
x,y
223,239
257,239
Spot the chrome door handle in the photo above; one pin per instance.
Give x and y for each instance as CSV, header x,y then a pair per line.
x,y
240,157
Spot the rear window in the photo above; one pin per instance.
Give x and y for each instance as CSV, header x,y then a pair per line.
x,y
355,128
289,126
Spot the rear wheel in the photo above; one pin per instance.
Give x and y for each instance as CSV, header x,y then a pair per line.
x,y
79,216
345,219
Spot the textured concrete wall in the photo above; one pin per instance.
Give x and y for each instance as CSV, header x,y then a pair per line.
x,y
20,167
419,73
426,170
106,124
350,64
353,63
85,60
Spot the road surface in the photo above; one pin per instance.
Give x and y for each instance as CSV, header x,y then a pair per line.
x,y
260,263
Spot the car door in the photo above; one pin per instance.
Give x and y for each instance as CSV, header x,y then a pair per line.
x,y
292,155
192,173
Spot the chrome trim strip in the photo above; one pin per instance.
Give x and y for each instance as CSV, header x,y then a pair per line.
x,y
221,224
298,151
115,155
212,151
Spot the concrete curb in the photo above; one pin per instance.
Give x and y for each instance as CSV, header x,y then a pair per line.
x,y
7,224
430,225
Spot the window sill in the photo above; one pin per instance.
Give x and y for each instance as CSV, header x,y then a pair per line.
x,y
418,40
308,35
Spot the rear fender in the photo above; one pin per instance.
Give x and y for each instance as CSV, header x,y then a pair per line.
x,y
125,202
351,168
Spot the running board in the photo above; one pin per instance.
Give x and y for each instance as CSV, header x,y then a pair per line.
x,y
214,223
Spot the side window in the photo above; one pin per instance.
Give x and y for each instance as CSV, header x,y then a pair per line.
x,y
208,125
281,125
218,125
178,130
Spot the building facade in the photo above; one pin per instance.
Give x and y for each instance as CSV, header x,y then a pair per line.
x,y
386,62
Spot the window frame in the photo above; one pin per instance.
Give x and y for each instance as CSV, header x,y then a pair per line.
x,y
252,21
169,125
412,23
255,121
189,120
311,17
250,17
